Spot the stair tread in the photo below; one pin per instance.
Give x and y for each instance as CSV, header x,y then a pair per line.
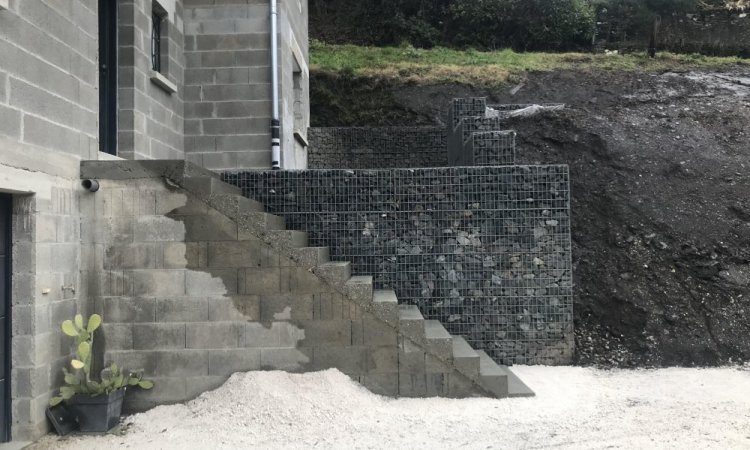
x,y
384,297
409,312
336,264
488,368
433,329
359,279
462,349
516,387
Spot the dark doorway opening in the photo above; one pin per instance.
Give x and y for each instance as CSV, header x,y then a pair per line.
x,y
5,271
108,76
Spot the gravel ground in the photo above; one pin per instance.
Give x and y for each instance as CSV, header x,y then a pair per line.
x,y
581,408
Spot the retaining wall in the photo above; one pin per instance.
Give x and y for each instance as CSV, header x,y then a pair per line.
x,y
485,250
376,148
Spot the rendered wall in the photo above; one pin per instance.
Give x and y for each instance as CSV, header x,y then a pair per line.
x,y
485,250
377,148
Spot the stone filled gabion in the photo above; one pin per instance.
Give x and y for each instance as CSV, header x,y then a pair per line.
x,y
485,250
376,148
492,148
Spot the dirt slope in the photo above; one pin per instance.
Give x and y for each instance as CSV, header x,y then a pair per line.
x,y
660,167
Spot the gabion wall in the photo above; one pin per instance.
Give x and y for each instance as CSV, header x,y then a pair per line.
x,y
485,250
492,148
376,148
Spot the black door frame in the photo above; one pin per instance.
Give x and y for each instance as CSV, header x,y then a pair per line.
x,y
108,76
6,202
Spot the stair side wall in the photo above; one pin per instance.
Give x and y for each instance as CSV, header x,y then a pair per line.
x,y
190,299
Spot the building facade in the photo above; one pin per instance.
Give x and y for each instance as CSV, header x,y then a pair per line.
x,y
127,79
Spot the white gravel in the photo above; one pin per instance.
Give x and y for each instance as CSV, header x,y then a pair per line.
x,y
574,408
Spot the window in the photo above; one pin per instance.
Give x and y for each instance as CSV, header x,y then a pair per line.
x,y
157,19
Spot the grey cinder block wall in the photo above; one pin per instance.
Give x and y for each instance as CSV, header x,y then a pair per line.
x,y
150,115
228,83
48,123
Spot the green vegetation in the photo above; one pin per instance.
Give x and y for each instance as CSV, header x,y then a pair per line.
x,y
80,381
441,65
556,25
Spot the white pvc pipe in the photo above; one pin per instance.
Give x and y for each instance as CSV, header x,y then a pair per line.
x,y
275,123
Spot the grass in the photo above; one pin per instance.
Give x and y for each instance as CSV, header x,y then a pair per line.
x,y
441,65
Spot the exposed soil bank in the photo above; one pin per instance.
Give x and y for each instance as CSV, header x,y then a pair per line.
x,y
660,167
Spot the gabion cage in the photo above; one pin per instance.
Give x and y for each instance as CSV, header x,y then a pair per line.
x,y
492,148
377,147
485,250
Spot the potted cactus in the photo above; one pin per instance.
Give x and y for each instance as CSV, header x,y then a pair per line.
x,y
95,404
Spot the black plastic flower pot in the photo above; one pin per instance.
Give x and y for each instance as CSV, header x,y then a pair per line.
x,y
97,414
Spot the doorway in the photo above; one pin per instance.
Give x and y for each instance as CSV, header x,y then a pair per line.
x,y
5,270
108,76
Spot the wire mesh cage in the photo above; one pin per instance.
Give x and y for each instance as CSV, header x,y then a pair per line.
x,y
485,250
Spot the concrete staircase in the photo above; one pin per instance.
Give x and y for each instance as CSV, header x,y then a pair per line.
x,y
430,362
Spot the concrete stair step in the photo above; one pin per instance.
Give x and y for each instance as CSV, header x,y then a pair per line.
x,y
260,222
336,272
465,358
286,239
491,376
411,323
516,387
438,340
359,289
311,257
209,186
385,304
233,205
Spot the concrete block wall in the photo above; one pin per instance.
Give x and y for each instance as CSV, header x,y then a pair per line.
x,y
191,297
48,123
47,283
150,117
228,83
48,75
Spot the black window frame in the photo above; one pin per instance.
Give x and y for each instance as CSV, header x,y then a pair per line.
x,y
157,20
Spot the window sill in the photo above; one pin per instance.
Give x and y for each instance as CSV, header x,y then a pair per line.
x,y
301,139
4,4
163,82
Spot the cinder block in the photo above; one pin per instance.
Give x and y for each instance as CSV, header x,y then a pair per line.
x,y
286,359
158,283
117,336
346,359
209,227
166,390
212,282
184,309
263,281
227,362
195,386
385,384
234,254
326,332
437,384
131,256
412,384
382,359
235,308
158,336
261,335
123,309
214,335
160,363
377,333
283,307
460,386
